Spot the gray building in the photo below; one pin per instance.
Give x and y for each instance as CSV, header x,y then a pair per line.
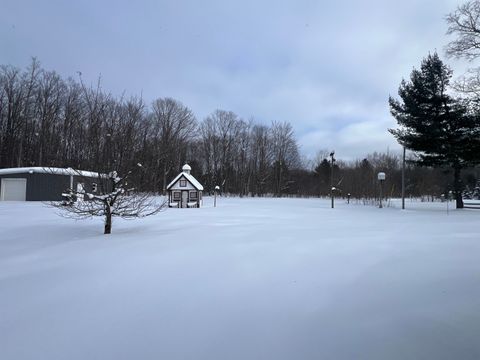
x,y
44,184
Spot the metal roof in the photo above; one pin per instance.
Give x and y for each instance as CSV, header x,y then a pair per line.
x,y
48,170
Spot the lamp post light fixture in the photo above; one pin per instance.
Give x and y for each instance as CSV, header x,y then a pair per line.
x,y
381,178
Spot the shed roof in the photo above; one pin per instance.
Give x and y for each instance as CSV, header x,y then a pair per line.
x,y
48,170
190,178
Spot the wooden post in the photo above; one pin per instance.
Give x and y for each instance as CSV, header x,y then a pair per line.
x,y
215,196
381,193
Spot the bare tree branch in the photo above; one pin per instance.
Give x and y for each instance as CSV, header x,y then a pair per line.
x,y
117,200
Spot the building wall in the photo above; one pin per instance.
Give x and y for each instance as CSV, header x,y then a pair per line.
x,y
177,186
197,199
103,185
180,189
49,187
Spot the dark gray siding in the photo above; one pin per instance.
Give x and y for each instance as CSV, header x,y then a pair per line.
x,y
49,187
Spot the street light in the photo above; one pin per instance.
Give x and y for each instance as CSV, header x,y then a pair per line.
x,y
403,178
332,194
381,178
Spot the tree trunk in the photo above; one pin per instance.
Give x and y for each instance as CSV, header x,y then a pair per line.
x,y
457,187
164,187
108,221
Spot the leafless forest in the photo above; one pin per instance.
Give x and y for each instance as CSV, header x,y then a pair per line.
x,y
46,120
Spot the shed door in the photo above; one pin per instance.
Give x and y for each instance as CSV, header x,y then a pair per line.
x,y
184,199
13,190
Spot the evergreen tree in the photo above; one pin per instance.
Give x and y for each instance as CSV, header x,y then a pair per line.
x,y
434,124
322,171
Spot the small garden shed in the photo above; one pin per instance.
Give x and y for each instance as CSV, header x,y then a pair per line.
x,y
185,191
43,184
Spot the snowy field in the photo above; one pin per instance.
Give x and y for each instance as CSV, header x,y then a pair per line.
x,y
251,279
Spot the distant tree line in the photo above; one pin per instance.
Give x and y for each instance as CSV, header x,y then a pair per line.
x,y
46,120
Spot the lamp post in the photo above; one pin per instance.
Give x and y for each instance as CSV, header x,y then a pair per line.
x,y
215,196
381,178
403,179
332,194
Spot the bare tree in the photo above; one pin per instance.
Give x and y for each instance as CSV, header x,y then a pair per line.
x,y
115,199
223,140
173,127
13,96
285,153
261,158
464,24
210,151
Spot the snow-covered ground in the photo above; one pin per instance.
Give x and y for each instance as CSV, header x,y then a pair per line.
x,y
251,279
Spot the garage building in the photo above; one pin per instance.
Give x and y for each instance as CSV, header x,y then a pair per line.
x,y
43,184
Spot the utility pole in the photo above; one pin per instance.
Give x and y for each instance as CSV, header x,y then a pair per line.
x,y
332,195
403,179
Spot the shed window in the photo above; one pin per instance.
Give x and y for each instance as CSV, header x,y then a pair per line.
x,y
176,195
94,187
193,195
183,183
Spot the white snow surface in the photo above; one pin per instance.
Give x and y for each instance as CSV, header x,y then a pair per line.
x,y
250,279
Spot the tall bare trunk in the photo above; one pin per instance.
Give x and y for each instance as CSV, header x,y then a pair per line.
x,y
164,189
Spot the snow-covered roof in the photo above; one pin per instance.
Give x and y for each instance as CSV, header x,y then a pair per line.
x,y
190,178
47,170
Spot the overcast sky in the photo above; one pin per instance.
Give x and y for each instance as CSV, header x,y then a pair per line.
x,y
327,67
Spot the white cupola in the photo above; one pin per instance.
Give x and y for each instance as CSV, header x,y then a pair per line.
x,y
186,169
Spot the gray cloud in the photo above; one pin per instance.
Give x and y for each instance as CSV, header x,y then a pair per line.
x,y
328,68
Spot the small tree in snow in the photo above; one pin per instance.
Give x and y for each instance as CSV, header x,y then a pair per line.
x,y
115,199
